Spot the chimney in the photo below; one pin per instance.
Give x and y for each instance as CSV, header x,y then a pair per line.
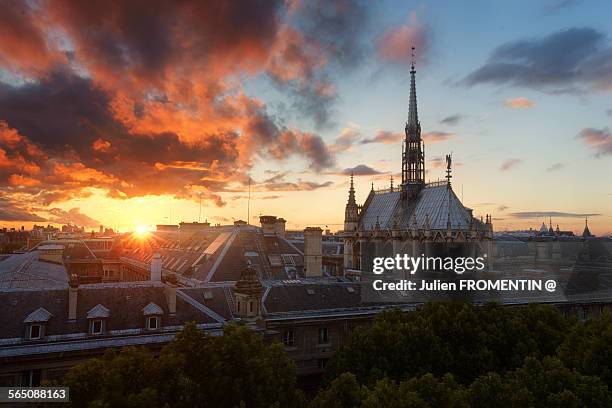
x,y
279,227
170,292
156,267
313,252
73,291
268,224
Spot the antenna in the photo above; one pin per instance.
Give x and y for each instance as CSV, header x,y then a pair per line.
x,y
249,203
200,213
412,59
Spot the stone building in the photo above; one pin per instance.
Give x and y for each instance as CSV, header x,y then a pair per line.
x,y
415,218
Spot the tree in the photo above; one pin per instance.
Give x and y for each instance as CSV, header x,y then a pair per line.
x,y
194,370
588,348
422,392
456,338
546,383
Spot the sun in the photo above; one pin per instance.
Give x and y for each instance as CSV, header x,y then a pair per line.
x,y
141,231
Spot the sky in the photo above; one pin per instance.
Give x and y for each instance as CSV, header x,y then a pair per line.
x,y
136,113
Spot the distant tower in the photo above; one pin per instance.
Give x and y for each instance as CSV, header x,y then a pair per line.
x,y
413,156
351,212
586,233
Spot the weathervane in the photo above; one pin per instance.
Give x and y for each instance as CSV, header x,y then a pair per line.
x,y
449,160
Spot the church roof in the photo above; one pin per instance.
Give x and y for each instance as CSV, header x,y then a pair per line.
x,y
432,207
380,208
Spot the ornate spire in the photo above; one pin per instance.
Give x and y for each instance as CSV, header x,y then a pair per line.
x,y
351,211
351,199
413,156
413,116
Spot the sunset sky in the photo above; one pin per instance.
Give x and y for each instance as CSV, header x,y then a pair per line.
x,y
127,113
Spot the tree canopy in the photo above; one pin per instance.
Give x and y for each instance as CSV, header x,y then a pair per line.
x,y
441,355
194,370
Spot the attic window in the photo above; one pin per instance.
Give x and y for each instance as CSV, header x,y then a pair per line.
x,y
97,327
350,289
152,322
35,331
310,291
208,295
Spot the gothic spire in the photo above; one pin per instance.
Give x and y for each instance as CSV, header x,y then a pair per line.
x,y
413,116
413,157
351,199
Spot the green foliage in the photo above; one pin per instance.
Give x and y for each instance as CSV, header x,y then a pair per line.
x,y
439,338
195,370
546,383
588,348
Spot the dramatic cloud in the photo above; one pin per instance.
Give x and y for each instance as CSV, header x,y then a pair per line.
x,y
555,167
147,100
72,216
348,137
519,103
327,35
13,211
395,44
360,170
436,136
452,120
564,61
510,164
546,214
385,137
599,140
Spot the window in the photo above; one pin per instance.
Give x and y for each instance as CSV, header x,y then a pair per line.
x,y
96,327
323,335
152,323
288,338
250,306
35,331
30,378
321,363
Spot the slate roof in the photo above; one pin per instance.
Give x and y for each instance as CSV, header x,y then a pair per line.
x,y
125,303
430,209
312,296
221,253
39,315
26,271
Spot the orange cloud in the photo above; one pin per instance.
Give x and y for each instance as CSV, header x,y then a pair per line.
x,y
103,146
519,103
395,45
20,180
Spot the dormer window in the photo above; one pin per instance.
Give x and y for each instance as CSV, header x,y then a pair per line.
x,y
97,317
152,314
152,323
35,331
97,327
36,323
